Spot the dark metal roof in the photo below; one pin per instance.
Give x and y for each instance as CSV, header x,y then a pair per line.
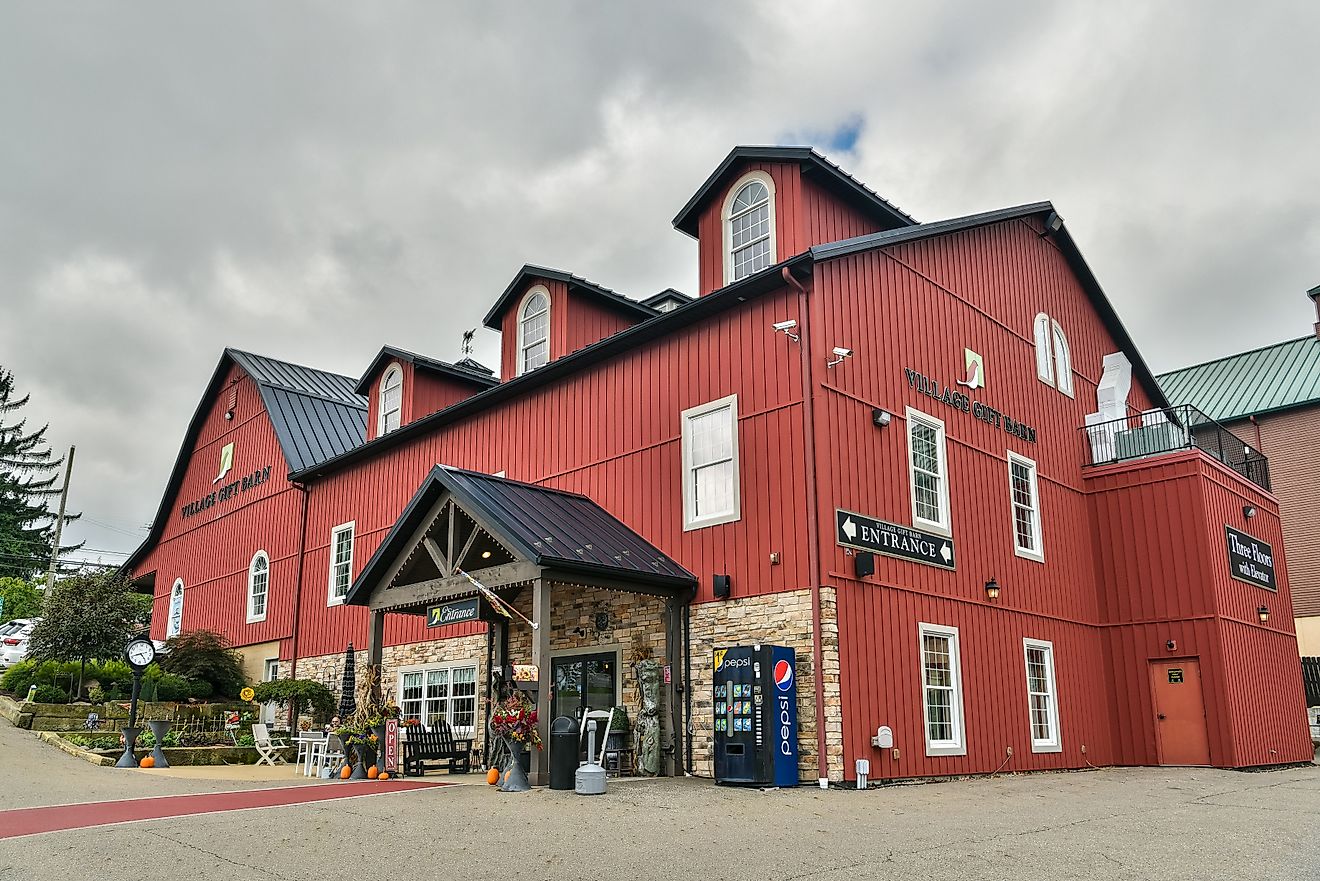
x,y
1066,245
466,370
549,527
1277,377
810,161
315,414
668,295
603,295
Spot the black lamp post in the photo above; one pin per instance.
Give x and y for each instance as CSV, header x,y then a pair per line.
x,y
139,654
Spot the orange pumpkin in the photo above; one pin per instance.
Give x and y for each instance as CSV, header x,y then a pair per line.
x,y
373,772
383,776
147,762
493,776
344,772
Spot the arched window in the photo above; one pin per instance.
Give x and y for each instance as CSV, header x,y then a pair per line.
x,y
174,623
258,587
534,330
391,401
749,227
1053,357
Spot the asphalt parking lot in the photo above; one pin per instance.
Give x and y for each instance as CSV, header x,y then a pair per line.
x,y
1118,823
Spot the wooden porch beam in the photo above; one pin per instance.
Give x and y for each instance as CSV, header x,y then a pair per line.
x,y
434,590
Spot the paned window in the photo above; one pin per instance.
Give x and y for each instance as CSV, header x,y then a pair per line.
x,y
391,401
710,464
1042,696
941,684
534,330
749,222
174,624
341,562
258,587
441,693
1024,496
1053,357
928,467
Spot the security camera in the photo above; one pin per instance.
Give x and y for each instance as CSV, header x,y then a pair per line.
x,y
841,352
785,325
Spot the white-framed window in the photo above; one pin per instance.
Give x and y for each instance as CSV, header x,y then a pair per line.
x,y
432,693
1024,498
1053,357
928,472
174,623
534,330
391,400
749,226
941,690
341,562
710,464
1042,696
258,587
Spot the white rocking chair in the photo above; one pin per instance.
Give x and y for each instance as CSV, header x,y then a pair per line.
x,y
270,751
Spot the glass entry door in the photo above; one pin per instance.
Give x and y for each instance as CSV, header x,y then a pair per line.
x,y
584,681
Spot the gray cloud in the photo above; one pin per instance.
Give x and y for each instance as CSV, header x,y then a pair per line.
x,y
311,181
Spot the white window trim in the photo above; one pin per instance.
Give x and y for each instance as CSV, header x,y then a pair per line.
x,y
1054,744
394,370
690,520
519,361
1063,377
170,630
1038,521
1040,334
251,617
727,226
1053,354
331,599
444,665
943,526
957,746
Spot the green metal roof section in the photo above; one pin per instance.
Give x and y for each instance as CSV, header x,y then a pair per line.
x,y
1277,377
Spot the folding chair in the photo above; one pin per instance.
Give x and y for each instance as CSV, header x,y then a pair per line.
x,y
269,751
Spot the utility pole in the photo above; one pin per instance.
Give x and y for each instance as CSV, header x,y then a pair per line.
x,y
59,524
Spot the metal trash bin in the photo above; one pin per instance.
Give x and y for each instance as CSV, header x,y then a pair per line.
x,y
563,752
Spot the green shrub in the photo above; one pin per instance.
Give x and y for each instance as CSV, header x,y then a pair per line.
x,y
173,688
96,694
18,678
50,694
205,655
200,689
303,692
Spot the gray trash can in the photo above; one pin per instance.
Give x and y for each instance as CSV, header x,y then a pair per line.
x,y
563,752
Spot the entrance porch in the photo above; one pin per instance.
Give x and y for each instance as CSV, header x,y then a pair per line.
x,y
561,584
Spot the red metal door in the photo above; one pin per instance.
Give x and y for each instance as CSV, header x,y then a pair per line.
x,y
1180,732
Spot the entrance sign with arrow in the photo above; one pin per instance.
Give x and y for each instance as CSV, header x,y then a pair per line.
x,y
863,533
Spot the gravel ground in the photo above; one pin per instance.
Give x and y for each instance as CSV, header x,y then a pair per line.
x,y
1120,823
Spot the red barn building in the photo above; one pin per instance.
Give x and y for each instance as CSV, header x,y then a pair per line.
x,y
926,456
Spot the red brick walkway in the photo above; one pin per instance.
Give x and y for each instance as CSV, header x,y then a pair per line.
x,y
31,821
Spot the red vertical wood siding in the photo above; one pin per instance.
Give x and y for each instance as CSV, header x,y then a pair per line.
x,y
211,550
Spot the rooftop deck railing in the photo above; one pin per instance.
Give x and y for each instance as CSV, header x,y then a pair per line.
x,y
1184,427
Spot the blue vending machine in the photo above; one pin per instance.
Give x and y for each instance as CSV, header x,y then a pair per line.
x,y
756,727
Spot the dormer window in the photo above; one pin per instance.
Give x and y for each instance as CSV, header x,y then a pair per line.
x,y
534,330
749,227
1053,359
391,401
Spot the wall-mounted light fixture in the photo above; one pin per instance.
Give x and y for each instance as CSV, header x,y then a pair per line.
x,y
992,589
229,415
1053,223
1171,645
787,328
1248,511
840,354
1263,613
880,418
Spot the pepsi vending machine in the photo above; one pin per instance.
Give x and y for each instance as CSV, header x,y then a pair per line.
x,y
756,733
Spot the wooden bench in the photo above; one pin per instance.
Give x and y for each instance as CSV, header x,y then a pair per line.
x,y
437,746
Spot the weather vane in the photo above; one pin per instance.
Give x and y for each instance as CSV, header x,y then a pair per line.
x,y
467,342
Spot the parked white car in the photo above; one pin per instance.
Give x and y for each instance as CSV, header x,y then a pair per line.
x,y
14,640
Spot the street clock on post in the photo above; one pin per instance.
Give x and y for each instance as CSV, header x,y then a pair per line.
x,y
140,653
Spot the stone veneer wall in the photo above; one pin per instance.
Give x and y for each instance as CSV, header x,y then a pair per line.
x,y
636,631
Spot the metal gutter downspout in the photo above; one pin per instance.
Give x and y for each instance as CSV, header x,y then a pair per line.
x,y
297,595
687,677
813,527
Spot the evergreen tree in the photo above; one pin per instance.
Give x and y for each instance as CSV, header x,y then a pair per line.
x,y
28,472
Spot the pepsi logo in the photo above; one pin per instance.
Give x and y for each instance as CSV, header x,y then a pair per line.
x,y
783,675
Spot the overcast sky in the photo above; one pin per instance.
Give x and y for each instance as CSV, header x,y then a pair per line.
x,y
310,181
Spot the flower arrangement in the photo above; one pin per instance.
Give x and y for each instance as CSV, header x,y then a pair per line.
x,y
515,718
410,723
